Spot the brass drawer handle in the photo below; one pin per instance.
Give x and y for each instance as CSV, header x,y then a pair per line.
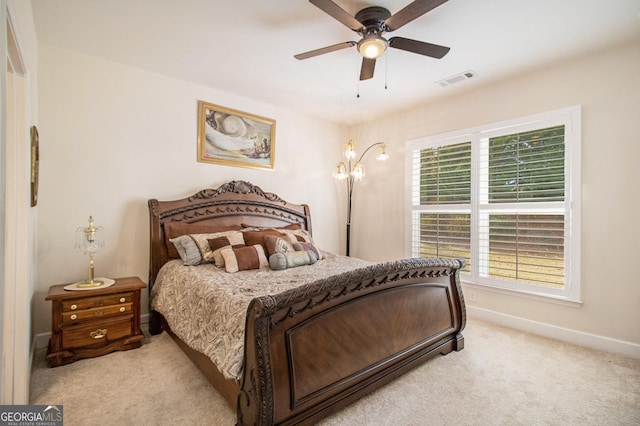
x,y
122,309
74,307
74,316
122,300
99,333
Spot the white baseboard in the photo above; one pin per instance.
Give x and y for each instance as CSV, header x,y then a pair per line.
x,y
580,338
41,340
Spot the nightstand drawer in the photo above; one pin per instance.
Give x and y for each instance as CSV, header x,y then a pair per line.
x,y
86,314
96,302
96,332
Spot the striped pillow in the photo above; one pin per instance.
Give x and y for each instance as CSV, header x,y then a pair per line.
x,y
244,258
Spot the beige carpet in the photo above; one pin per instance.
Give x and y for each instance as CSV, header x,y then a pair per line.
x,y
502,377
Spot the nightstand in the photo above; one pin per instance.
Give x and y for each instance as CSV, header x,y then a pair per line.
x,y
90,323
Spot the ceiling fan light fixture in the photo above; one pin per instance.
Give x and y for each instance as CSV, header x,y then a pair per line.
x,y
372,46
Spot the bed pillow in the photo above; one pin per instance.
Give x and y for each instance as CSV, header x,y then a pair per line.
x,y
244,258
217,244
187,250
253,237
305,246
280,261
275,244
202,241
176,229
297,235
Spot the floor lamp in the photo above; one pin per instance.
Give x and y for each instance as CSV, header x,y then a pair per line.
x,y
352,172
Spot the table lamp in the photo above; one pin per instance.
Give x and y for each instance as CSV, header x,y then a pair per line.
x,y
90,239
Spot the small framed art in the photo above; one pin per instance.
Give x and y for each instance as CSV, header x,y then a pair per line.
x,y
35,165
235,138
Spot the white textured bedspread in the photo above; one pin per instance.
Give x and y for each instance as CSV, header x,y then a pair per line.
x,y
206,307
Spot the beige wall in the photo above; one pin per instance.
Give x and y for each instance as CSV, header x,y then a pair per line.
x,y
113,137
607,86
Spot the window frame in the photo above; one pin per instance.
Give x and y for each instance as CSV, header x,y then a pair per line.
x,y
569,117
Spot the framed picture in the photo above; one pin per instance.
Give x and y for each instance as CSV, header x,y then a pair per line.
x,y
235,138
35,165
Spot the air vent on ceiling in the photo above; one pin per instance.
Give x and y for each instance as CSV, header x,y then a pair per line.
x,y
456,78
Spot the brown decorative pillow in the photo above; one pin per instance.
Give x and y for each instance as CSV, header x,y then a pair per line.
x,y
217,244
257,237
275,244
202,241
176,229
244,258
304,246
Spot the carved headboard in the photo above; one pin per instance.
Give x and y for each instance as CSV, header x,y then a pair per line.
x,y
233,203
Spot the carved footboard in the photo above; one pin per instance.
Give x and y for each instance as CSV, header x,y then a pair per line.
x,y
315,349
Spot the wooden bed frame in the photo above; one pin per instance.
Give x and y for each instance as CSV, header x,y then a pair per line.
x,y
313,350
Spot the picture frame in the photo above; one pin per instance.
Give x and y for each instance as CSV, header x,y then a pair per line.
x,y
35,165
235,138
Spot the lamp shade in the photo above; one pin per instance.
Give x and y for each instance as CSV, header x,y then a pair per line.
x,y
341,172
382,156
372,46
350,150
358,171
90,239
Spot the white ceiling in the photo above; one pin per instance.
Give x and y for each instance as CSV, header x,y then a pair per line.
x,y
246,47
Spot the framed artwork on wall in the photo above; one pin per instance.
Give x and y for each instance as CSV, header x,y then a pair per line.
x,y
235,138
35,165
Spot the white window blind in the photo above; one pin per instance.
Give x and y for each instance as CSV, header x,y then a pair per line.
x,y
502,197
443,183
521,206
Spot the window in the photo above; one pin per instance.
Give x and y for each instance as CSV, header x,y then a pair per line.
x,y
505,198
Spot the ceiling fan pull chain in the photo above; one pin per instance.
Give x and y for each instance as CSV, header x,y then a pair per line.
x,y
386,69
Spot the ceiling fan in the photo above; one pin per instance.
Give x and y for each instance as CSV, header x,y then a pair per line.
x,y
372,23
